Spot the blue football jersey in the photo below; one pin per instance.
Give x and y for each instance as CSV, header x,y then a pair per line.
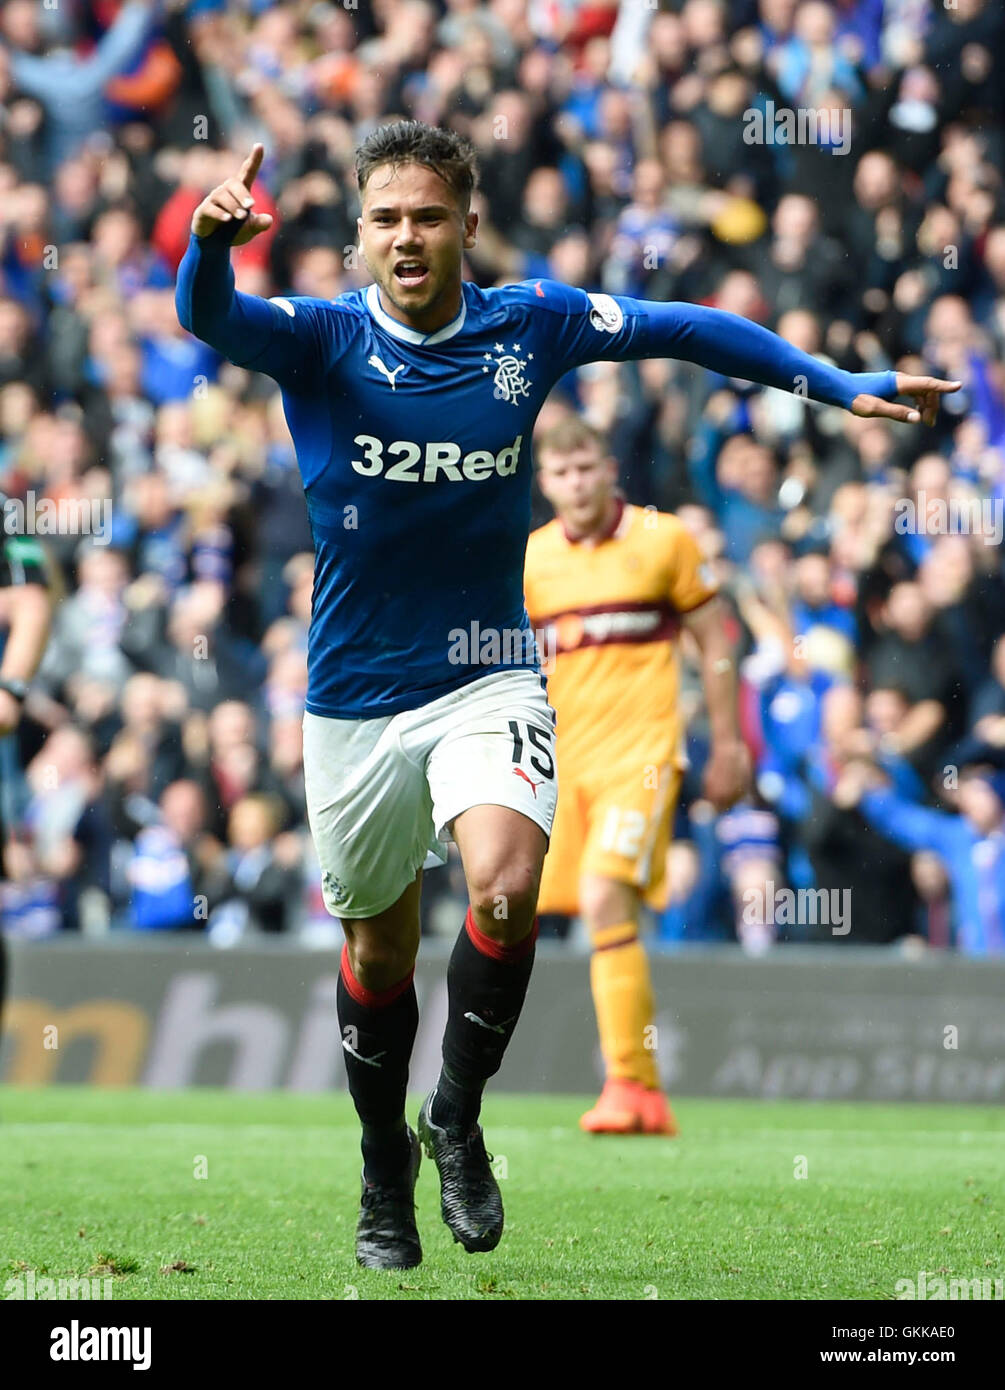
x,y
415,454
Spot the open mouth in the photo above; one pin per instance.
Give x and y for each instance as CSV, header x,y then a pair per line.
x,y
411,273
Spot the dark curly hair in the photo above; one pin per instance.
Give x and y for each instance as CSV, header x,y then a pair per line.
x,y
448,154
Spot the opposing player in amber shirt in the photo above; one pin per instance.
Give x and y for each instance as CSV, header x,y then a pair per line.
x,y
608,587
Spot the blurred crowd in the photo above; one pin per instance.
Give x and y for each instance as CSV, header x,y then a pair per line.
x,y
862,562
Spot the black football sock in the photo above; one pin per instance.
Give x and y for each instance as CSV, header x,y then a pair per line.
x,y
378,1031
486,987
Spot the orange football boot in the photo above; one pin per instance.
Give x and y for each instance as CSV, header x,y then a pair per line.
x,y
627,1107
657,1114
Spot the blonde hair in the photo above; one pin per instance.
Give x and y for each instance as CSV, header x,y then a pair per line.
x,y
567,436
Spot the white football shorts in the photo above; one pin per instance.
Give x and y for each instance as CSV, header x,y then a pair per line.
x,y
382,793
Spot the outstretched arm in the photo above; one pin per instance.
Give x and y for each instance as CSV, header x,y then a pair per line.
x,y
38,77
737,347
603,327
121,42
911,826
277,338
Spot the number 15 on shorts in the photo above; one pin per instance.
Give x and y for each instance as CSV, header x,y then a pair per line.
x,y
533,760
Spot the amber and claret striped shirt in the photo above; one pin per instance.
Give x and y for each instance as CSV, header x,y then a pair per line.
x,y
607,611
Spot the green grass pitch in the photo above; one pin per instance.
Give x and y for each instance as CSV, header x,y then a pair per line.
x,y
106,1182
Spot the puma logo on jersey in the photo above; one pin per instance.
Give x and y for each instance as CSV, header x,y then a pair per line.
x,y
519,772
375,361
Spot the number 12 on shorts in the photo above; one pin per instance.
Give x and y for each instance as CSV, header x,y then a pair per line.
x,y
622,832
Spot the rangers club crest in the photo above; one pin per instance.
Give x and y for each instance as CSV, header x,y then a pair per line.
x,y
508,382
333,888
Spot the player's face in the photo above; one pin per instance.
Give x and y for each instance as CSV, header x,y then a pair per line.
x,y
413,236
579,485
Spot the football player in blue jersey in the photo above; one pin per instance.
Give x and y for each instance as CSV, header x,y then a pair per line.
x,y
411,404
